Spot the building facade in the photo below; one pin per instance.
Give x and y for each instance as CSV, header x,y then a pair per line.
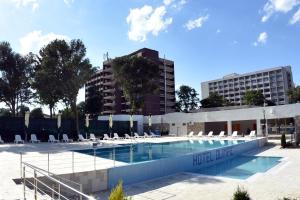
x,y
273,83
114,101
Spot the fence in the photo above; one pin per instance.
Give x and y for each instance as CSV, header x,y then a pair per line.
x,y
9,126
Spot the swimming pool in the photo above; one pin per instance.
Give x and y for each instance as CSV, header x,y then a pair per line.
x,y
240,167
142,152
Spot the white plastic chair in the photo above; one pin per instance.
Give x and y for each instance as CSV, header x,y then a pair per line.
x,y
81,138
18,139
116,137
1,141
252,134
191,134
137,135
210,134
52,139
106,137
66,138
128,136
33,139
153,134
234,134
92,137
200,134
222,134
146,135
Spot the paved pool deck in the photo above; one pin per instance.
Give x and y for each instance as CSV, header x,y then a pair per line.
x,y
282,180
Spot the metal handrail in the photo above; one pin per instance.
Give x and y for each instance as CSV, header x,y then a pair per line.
x,y
45,173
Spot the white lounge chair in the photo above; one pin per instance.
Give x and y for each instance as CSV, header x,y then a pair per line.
x,y
33,139
116,137
18,139
234,134
106,137
93,137
200,134
191,134
52,139
210,134
128,136
81,138
146,135
153,134
252,134
66,138
1,141
222,134
137,136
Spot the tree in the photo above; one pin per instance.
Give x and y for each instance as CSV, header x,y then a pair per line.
x,y
81,107
137,77
94,104
37,113
48,79
254,98
294,94
4,112
15,77
187,99
117,193
214,100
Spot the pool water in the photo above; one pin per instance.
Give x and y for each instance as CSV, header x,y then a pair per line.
x,y
142,152
240,167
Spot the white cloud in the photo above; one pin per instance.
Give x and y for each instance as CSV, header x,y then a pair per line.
x,y
178,5
34,40
273,6
69,2
296,17
262,39
168,2
218,31
34,4
197,23
145,20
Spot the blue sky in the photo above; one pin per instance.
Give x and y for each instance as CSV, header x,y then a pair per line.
x,y
206,38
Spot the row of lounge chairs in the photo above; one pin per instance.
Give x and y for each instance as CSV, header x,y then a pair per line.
x,y
34,139
221,134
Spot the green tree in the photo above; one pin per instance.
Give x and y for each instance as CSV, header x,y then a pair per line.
x,y
94,104
138,77
81,107
4,112
254,98
241,194
294,94
15,77
214,100
48,79
37,113
187,99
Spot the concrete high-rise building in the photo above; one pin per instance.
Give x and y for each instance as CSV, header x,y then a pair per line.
x,y
273,82
114,100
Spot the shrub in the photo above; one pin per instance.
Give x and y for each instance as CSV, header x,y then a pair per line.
x,y
283,140
117,193
241,194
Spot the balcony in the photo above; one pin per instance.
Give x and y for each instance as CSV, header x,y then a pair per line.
x,y
111,97
111,90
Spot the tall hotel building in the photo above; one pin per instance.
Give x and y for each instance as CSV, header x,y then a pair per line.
x,y
274,84
114,100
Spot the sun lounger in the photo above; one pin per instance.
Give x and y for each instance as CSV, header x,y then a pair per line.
x,y
146,135
191,134
52,139
252,134
116,137
128,136
93,137
106,137
18,139
200,134
153,134
81,138
1,141
137,136
210,134
234,134
33,139
222,134
66,138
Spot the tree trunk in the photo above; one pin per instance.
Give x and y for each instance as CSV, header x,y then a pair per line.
x,y
50,107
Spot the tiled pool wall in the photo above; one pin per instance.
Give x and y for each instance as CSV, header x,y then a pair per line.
x,y
135,173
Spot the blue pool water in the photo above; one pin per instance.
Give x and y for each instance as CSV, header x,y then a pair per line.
x,y
142,152
240,167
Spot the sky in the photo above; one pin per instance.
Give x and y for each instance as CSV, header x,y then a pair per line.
x,y
206,39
